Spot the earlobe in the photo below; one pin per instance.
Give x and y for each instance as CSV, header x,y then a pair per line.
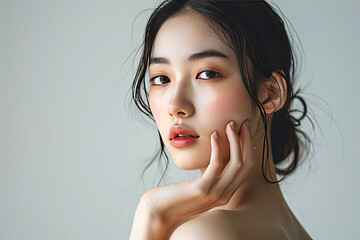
x,y
273,92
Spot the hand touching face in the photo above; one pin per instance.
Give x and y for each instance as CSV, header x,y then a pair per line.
x,y
195,82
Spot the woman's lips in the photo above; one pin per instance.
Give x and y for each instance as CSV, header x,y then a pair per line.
x,y
181,135
182,141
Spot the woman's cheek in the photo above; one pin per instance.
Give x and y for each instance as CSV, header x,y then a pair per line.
x,y
226,107
160,115
223,108
155,110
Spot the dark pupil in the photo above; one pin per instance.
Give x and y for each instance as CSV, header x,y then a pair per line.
x,y
163,79
210,74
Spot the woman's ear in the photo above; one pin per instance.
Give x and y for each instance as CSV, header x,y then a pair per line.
x,y
273,92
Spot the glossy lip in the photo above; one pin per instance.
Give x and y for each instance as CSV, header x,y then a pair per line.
x,y
176,129
181,129
182,141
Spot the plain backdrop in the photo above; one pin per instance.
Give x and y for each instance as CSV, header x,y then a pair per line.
x,y
71,154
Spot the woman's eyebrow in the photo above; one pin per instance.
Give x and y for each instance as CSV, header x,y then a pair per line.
x,y
196,56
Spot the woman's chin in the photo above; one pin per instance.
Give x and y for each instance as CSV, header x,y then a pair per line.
x,y
190,164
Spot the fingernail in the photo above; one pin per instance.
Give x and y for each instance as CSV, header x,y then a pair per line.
x,y
248,124
233,125
215,135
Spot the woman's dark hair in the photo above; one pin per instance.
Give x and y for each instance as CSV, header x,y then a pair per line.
x,y
258,36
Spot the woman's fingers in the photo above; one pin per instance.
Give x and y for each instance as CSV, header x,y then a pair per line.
x,y
215,166
236,159
220,184
247,150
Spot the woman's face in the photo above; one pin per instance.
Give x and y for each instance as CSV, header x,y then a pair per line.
x,y
196,83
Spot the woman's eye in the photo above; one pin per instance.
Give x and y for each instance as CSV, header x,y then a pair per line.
x,y
159,80
208,75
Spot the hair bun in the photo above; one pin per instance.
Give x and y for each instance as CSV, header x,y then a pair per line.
x,y
286,137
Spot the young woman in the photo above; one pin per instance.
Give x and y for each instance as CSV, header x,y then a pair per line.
x,y
221,87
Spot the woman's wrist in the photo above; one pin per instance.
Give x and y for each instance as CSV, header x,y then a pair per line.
x,y
150,223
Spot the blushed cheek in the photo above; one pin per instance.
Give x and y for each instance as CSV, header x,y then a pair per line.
x,y
155,111
158,113
226,107
222,108
161,116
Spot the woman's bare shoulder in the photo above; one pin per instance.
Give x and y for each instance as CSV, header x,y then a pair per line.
x,y
210,225
229,225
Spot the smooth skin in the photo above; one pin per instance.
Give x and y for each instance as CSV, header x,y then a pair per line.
x,y
231,200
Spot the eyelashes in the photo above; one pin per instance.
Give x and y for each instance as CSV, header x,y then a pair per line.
x,y
159,80
209,75
205,75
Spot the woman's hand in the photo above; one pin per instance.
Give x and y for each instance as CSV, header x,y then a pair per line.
x,y
161,210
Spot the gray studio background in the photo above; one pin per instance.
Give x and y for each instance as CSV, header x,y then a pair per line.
x,y
71,156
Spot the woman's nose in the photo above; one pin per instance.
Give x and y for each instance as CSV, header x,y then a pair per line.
x,y
181,102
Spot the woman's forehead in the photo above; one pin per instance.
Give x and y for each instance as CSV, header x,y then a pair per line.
x,y
185,34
